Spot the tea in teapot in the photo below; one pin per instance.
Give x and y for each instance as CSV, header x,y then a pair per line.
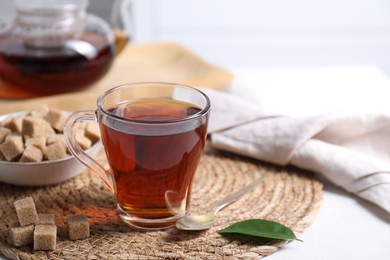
x,y
54,46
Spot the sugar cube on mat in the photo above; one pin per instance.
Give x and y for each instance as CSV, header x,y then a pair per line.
x,y
26,211
55,151
56,118
45,237
46,219
21,236
31,154
12,147
78,226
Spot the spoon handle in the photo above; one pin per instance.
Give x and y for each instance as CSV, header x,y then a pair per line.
x,y
236,195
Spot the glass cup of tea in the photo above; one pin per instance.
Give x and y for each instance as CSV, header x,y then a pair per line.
x,y
153,136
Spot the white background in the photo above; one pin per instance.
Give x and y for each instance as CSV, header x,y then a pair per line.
x,y
254,33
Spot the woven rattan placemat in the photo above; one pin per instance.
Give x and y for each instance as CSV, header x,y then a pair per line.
x,y
287,195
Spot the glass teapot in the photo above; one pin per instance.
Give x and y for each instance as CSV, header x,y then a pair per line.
x,y
54,46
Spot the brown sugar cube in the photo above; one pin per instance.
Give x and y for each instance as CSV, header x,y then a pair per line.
x,y
39,111
38,142
13,134
57,119
21,236
36,126
46,219
92,132
45,237
12,147
49,130
31,154
79,130
2,157
83,141
26,211
5,121
80,126
55,151
54,138
15,124
78,226
3,133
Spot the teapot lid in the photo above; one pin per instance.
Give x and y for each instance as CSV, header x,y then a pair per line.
x,y
50,6
49,23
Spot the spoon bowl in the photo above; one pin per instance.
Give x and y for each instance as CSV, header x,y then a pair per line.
x,y
206,221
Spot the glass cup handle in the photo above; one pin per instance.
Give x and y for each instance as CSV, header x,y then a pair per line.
x,y
78,152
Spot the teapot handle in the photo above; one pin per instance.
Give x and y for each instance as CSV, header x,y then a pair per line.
x,y
120,38
78,152
121,20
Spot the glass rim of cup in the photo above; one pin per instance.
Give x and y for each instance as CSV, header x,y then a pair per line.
x,y
202,112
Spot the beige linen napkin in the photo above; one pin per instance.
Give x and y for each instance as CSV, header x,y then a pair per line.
x,y
350,149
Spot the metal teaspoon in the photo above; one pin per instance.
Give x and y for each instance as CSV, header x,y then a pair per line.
x,y
206,221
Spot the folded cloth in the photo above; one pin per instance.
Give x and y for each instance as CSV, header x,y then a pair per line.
x,y
351,149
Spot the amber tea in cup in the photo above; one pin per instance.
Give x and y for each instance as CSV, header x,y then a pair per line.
x,y
153,135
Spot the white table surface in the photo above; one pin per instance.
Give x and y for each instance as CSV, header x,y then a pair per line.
x,y
346,227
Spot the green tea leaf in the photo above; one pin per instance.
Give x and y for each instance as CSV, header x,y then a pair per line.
x,y
260,228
